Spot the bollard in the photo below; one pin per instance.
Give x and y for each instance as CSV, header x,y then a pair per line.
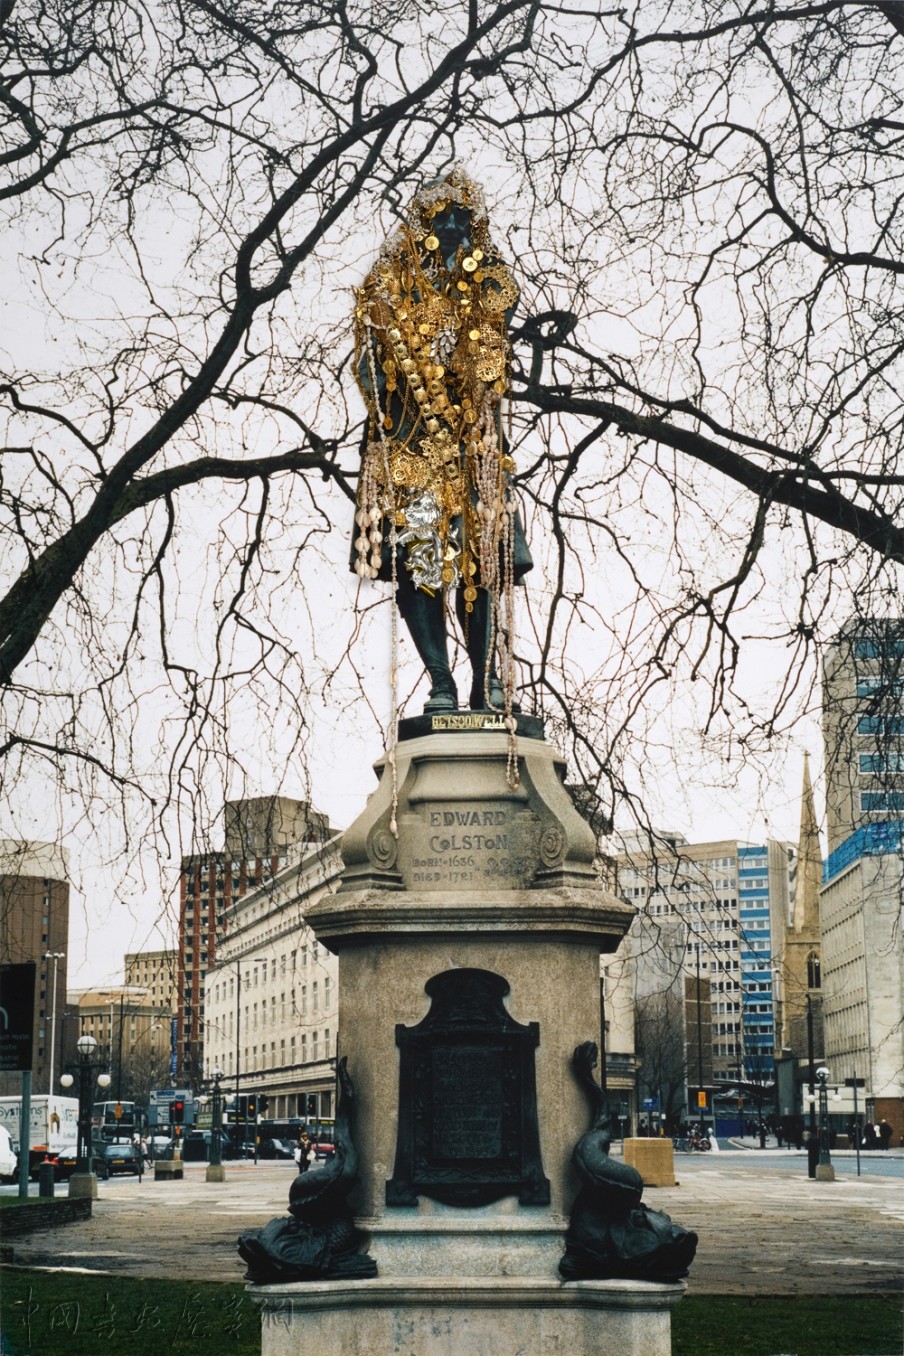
x,y
812,1155
45,1179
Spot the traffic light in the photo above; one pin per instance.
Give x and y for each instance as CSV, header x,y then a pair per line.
x,y
251,1108
312,1104
263,1103
177,1112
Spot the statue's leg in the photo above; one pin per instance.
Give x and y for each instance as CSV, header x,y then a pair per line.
x,y
425,618
476,628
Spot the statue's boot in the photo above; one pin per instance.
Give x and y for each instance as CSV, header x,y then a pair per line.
x,y
426,621
476,628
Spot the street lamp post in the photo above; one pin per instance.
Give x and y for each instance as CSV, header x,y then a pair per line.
x,y
256,960
215,1170
824,1170
700,1088
84,1180
55,956
811,1093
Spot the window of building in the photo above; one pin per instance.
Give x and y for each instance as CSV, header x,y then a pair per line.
x,y
882,800
315,1045
885,724
882,762
814,976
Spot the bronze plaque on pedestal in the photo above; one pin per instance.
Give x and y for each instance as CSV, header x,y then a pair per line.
x,y
468,1131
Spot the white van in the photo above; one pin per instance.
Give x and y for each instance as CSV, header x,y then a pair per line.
x,y
9,1163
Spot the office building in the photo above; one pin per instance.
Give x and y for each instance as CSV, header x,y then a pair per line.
x,y
34,927
271,999
157,972
860,900
727,900
132,1033
258,833
863,727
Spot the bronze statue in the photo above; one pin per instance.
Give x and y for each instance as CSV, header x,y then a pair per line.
x,y
435,507
611,1235
318,1240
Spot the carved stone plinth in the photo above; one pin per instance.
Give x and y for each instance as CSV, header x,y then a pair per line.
x,y
463,830
448,1316
469,951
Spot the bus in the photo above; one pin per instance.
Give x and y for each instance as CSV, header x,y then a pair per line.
x,y
321,1130
117,1120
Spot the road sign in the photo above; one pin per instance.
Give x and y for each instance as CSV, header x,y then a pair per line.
x,y
651,1104
855,1082
17,1013
701,1099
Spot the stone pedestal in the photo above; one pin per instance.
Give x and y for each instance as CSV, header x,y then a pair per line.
x,y
168,1170
467,1316
490,880
654,1159
216,1172
83,1186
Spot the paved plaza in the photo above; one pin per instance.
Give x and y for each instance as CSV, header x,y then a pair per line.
x,y
764,1230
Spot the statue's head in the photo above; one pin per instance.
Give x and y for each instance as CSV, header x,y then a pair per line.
x,y
452,209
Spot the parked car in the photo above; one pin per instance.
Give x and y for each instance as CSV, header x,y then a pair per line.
x,y
65,1161
276,1148
158,1145
9,1160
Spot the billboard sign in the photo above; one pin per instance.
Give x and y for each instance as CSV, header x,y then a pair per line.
x,y
17,1014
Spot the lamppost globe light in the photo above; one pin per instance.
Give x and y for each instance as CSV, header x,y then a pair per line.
x,y
86,1045
104,1080
823,1073
217,1075
66,1081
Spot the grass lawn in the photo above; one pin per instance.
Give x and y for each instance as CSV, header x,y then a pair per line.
x,y
61,1314
729,1325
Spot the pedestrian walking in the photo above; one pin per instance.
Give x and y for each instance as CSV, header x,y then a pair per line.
x,y
869,1136
305,1151
884,1133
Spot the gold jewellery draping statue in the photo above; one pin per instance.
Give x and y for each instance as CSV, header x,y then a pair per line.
x,y
435,508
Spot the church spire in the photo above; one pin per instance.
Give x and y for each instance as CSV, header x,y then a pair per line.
x,y
805,921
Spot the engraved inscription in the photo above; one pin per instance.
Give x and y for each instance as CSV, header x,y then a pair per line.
x,y
468,720
469,845
467,1102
